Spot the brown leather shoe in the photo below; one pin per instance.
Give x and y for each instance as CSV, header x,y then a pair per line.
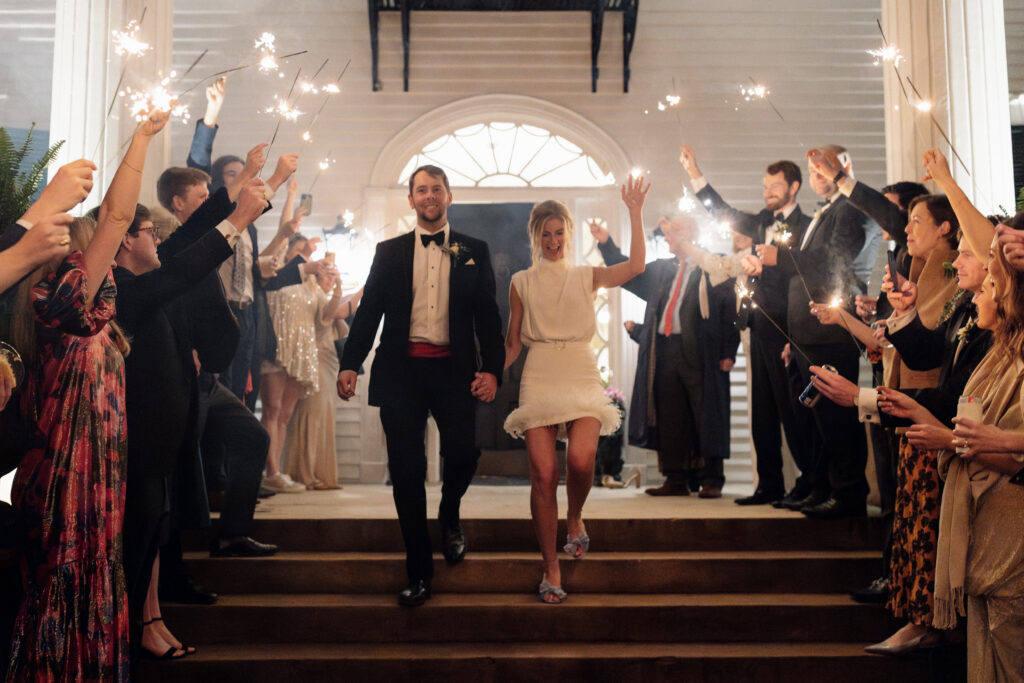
x,y
709,491
667,489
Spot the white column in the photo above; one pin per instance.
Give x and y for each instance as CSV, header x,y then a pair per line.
x,y
955,54
85,77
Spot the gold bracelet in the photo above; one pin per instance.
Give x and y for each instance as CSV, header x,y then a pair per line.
x,y
125,163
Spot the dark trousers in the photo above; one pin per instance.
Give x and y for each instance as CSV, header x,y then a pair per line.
x,y
773,403
236,376
840,443
678,398
234,446
430,389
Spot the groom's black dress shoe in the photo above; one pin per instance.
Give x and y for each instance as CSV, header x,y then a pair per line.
x,y
453,542
834,508
417,593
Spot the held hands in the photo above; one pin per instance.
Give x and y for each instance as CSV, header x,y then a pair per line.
x,y
689,161
633,194
599,232
484,387
768,253
346,384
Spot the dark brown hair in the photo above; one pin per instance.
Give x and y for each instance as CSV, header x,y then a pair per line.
x,y
789,171
175,181
433,172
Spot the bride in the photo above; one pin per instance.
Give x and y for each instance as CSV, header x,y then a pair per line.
x,y
561,397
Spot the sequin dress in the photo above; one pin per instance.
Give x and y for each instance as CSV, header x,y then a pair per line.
x,y
310,452
294,310
560,380
73,624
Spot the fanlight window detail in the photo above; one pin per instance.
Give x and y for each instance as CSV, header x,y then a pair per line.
x,y
499,154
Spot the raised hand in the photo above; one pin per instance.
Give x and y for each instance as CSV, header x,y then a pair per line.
x,y
254,160
286,165
155,120
904,297
689,161
48,239
633,193
250,206
599,232
293,226
824,162
293,187
214,101
768,254
1012,242
936,168
68,187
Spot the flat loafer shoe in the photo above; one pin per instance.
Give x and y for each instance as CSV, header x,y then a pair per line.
x,y
417,593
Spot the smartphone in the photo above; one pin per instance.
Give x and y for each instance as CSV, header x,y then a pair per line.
x,y
306,202
894,272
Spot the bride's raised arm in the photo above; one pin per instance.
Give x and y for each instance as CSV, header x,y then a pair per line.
x,y
633,195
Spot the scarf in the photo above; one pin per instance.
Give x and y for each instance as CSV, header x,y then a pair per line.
x,y
998,384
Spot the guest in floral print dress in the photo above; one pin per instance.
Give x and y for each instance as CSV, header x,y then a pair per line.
x,y
68,490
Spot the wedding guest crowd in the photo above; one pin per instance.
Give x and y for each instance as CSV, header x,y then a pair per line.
x,y
136,411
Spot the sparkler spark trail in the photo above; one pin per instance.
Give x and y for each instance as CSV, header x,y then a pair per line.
x,y
324,164
761,92
126,42
887,53
237,68
746,294
157,98
329,89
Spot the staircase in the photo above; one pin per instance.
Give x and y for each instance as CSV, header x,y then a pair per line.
x,y
741,599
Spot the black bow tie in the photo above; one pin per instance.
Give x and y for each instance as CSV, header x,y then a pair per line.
x,y
780,217
437,238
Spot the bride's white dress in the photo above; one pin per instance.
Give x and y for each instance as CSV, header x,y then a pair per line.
x,y
560,381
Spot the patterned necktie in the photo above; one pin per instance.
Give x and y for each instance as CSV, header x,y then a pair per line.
x,y
670,310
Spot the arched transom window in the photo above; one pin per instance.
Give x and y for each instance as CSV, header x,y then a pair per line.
x,y
501,154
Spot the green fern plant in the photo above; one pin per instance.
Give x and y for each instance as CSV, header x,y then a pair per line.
x,y
17,186
1020,199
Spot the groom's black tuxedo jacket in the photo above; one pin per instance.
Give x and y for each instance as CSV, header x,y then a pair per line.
x,y
474,324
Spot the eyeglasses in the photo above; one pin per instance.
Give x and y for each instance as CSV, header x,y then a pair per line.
x,y
150,228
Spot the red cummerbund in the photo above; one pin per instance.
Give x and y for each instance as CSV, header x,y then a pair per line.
x,y
424,350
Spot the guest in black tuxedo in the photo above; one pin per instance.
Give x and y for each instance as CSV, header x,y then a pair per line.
x,y
821,267
772,399
160,379
435,290
234,444
687,340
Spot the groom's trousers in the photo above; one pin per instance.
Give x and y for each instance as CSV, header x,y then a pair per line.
x,y
429,388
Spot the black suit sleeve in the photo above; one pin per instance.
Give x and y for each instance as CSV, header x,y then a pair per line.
x,y
724,299
637,333
215,331
368,315
743,222
889,217
290,274
12,233
831,260
486,318
208,216
155,288
641,284
920,348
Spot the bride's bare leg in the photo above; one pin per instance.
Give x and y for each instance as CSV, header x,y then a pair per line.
x,y
579,475
540,447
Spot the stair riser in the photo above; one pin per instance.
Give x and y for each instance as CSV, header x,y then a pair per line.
x,y
593,575
496,668
534,623
609,535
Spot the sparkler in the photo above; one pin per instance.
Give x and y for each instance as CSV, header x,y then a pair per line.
x,y
887,53
687,204
284,110
329,89
239,68
157,98
348,218
126,42
636,172
758,91
322,166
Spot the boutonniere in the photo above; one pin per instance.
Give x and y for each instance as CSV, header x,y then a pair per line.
x,y
817,215
964,331
457,251
948,268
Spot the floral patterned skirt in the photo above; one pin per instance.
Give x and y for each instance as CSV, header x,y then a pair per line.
x,y
915,530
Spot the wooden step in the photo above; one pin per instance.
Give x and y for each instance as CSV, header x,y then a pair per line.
x,y
475,617
786,531
519,661
652,572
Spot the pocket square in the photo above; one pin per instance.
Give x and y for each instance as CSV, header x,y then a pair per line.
x,y
470,262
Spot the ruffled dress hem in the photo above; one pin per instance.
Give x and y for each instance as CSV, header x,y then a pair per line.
x,y
557,413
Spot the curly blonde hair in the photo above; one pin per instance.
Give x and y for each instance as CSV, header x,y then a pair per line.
x,y
539,215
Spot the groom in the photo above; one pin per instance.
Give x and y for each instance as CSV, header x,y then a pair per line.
x,y
440,352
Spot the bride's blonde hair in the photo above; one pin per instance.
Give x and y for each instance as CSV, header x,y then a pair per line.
x,y
551,208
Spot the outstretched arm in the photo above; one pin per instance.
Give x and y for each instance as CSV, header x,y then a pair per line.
x,y
976,228
633,195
